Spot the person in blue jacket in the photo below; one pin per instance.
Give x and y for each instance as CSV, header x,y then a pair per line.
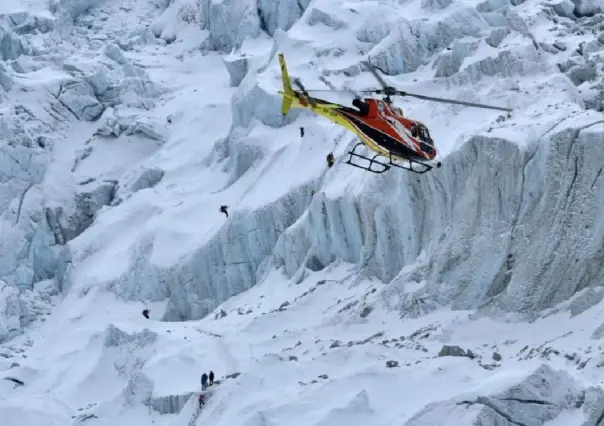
x,y
204,381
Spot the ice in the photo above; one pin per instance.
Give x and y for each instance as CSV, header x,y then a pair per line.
x,y
328,294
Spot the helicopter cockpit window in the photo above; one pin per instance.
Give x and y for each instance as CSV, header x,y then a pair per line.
x,y
424,135
414,131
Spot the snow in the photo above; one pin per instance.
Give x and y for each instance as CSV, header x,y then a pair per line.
x,y
327,295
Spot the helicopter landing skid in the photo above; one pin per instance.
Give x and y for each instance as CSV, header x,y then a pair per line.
x,y
384,167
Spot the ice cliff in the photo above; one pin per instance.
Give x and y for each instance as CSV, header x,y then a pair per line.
x,y
510,222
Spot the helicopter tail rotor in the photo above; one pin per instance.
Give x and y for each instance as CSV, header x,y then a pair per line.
x,y
301,87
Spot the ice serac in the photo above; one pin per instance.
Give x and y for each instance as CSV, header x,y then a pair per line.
x,y
10,311
411,44
170,404
522,231
540,397
221,268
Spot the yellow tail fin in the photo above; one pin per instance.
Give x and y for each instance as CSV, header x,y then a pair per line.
x,y
287,86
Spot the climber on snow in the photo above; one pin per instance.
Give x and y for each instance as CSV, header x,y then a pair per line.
x,y
201,401
301,132
330,159
211,378
223,209
146,313
204,381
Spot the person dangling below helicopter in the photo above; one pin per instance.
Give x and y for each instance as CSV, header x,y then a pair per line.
x,y
330,159
223,209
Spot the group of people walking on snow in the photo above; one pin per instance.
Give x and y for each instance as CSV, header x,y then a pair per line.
x,y
206,380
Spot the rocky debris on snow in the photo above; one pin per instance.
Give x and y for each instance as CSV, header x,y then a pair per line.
x,y
370,339
447,350
81,418
391,364
540,397
299,343
170,404
17,382
281,307
232,376
496,356
366,311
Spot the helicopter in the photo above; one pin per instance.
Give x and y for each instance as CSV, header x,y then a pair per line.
x,y
406,143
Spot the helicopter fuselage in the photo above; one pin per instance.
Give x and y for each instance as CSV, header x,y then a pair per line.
x,y
378,124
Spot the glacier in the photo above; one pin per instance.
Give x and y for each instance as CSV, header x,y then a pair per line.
x,y
126,125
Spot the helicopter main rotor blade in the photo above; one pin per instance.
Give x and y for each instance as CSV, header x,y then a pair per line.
x,y
452,101
377,76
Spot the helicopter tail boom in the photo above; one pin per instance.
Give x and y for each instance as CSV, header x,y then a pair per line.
x,y
288,91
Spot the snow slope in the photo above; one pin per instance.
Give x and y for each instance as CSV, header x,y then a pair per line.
x,y
125,125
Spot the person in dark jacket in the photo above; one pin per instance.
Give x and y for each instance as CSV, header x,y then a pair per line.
x,y
146,313
223,209
330,159
201,401
211,378
204,381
